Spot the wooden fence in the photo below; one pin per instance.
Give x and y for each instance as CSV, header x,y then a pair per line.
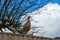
x,y
10,36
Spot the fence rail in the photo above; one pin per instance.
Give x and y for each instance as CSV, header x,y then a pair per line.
x,y
11,36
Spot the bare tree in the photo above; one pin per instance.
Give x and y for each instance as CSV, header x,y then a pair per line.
x,y
11,12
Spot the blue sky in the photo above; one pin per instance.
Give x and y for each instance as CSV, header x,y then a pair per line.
x,y
55,1
40,2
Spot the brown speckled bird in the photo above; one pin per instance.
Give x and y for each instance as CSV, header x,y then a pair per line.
x,y
26,27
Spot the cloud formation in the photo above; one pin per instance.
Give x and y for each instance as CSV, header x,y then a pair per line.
x,y
49,18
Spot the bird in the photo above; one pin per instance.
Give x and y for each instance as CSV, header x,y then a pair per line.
x,y
26,27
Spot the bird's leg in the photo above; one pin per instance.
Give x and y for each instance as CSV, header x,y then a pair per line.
x,y
24,36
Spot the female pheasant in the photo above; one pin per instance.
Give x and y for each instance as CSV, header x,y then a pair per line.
x,y
26,27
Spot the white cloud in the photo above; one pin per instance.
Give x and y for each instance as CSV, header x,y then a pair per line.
x,y
49,18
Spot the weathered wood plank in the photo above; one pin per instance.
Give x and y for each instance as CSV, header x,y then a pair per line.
x,y
10,36
5,37
1,37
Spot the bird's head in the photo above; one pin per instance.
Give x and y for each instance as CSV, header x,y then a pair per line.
x,y
29,17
